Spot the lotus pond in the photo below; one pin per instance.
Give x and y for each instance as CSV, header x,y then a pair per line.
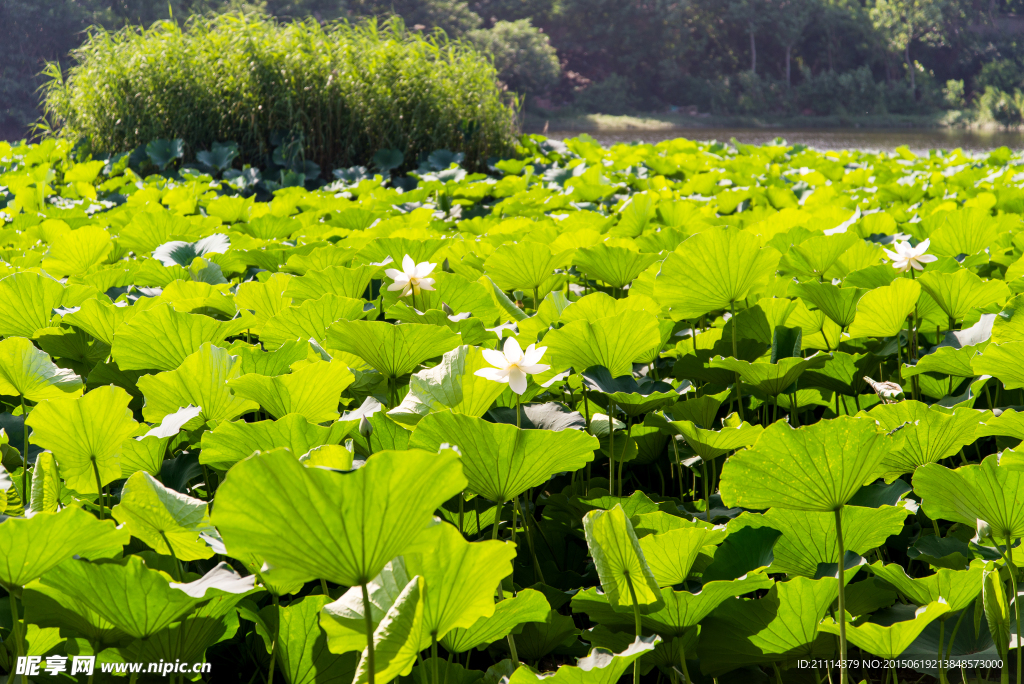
x,y
674,413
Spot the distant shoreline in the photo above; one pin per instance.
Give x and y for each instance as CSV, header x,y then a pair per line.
x,y
586,123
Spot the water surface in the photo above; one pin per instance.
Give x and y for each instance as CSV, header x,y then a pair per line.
x,y
872,140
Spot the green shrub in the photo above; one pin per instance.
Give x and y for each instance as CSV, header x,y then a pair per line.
x,y
523,56
345,90
832,92
610,96
953,94
1004,108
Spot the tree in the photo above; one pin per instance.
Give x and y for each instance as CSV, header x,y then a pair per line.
x,y
904,21
791,18
751,14
523,56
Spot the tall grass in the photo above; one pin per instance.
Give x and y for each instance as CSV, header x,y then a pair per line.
x,y
349,90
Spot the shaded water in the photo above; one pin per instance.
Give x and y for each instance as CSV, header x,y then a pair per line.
x,y
871,140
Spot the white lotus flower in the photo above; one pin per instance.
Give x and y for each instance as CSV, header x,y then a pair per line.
x,y
906,257
512,364
412,278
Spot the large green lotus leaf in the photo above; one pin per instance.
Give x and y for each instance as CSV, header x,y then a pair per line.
x,y
782,626
459,294
102,320
883,312
501,461
744,551
973,493
815,468
944,360
843,373
146,452
188,639
528,605
894,639
149,229
958,588
201,380
162,338
671,555
1001,361
809,537
758,322
838,303
634,398
600,667
450,385
25,371
814,256
52,608
964,231
619,559
78,252
397,247
302,653
278,362
342,527
471,330
310,320
85,435
313,391
700,411
169,522
336,280
29,547
28,300
931,433
1009,423
392,350
344,620
523,265
398,639
617,266
460,579
709,444
713,269
125,593
319,259
614,342
199,297
46,484
1008,325
771,378
231,442
264,300
958,292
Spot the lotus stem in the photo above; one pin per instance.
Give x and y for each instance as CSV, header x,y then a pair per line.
x,y
323,588
942,636
952,637
704,480
370,670
99,484
639,630
611,447
527,519
277,636
622,456
24,460
433,656
682,661
535,298
1011,566
16,630
679,467
177,564
518,411
739,392
842,596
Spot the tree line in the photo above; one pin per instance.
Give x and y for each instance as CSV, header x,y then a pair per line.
x,y
728,56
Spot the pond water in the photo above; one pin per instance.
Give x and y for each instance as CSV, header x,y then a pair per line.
x,y
872,140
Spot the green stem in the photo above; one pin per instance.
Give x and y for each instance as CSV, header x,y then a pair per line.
x,y
942,636
433,656
704,481
99,486
739,393
842,595
952,638
323,588
518,411
24,459
636,618
177,564
16,630
370,670
535,298
622,456
1016,603
611,448
682,661
679,467
497,521
527,519
273,647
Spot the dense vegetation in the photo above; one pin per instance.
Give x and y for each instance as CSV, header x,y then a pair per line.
x,y
293,95
310,414
759,57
